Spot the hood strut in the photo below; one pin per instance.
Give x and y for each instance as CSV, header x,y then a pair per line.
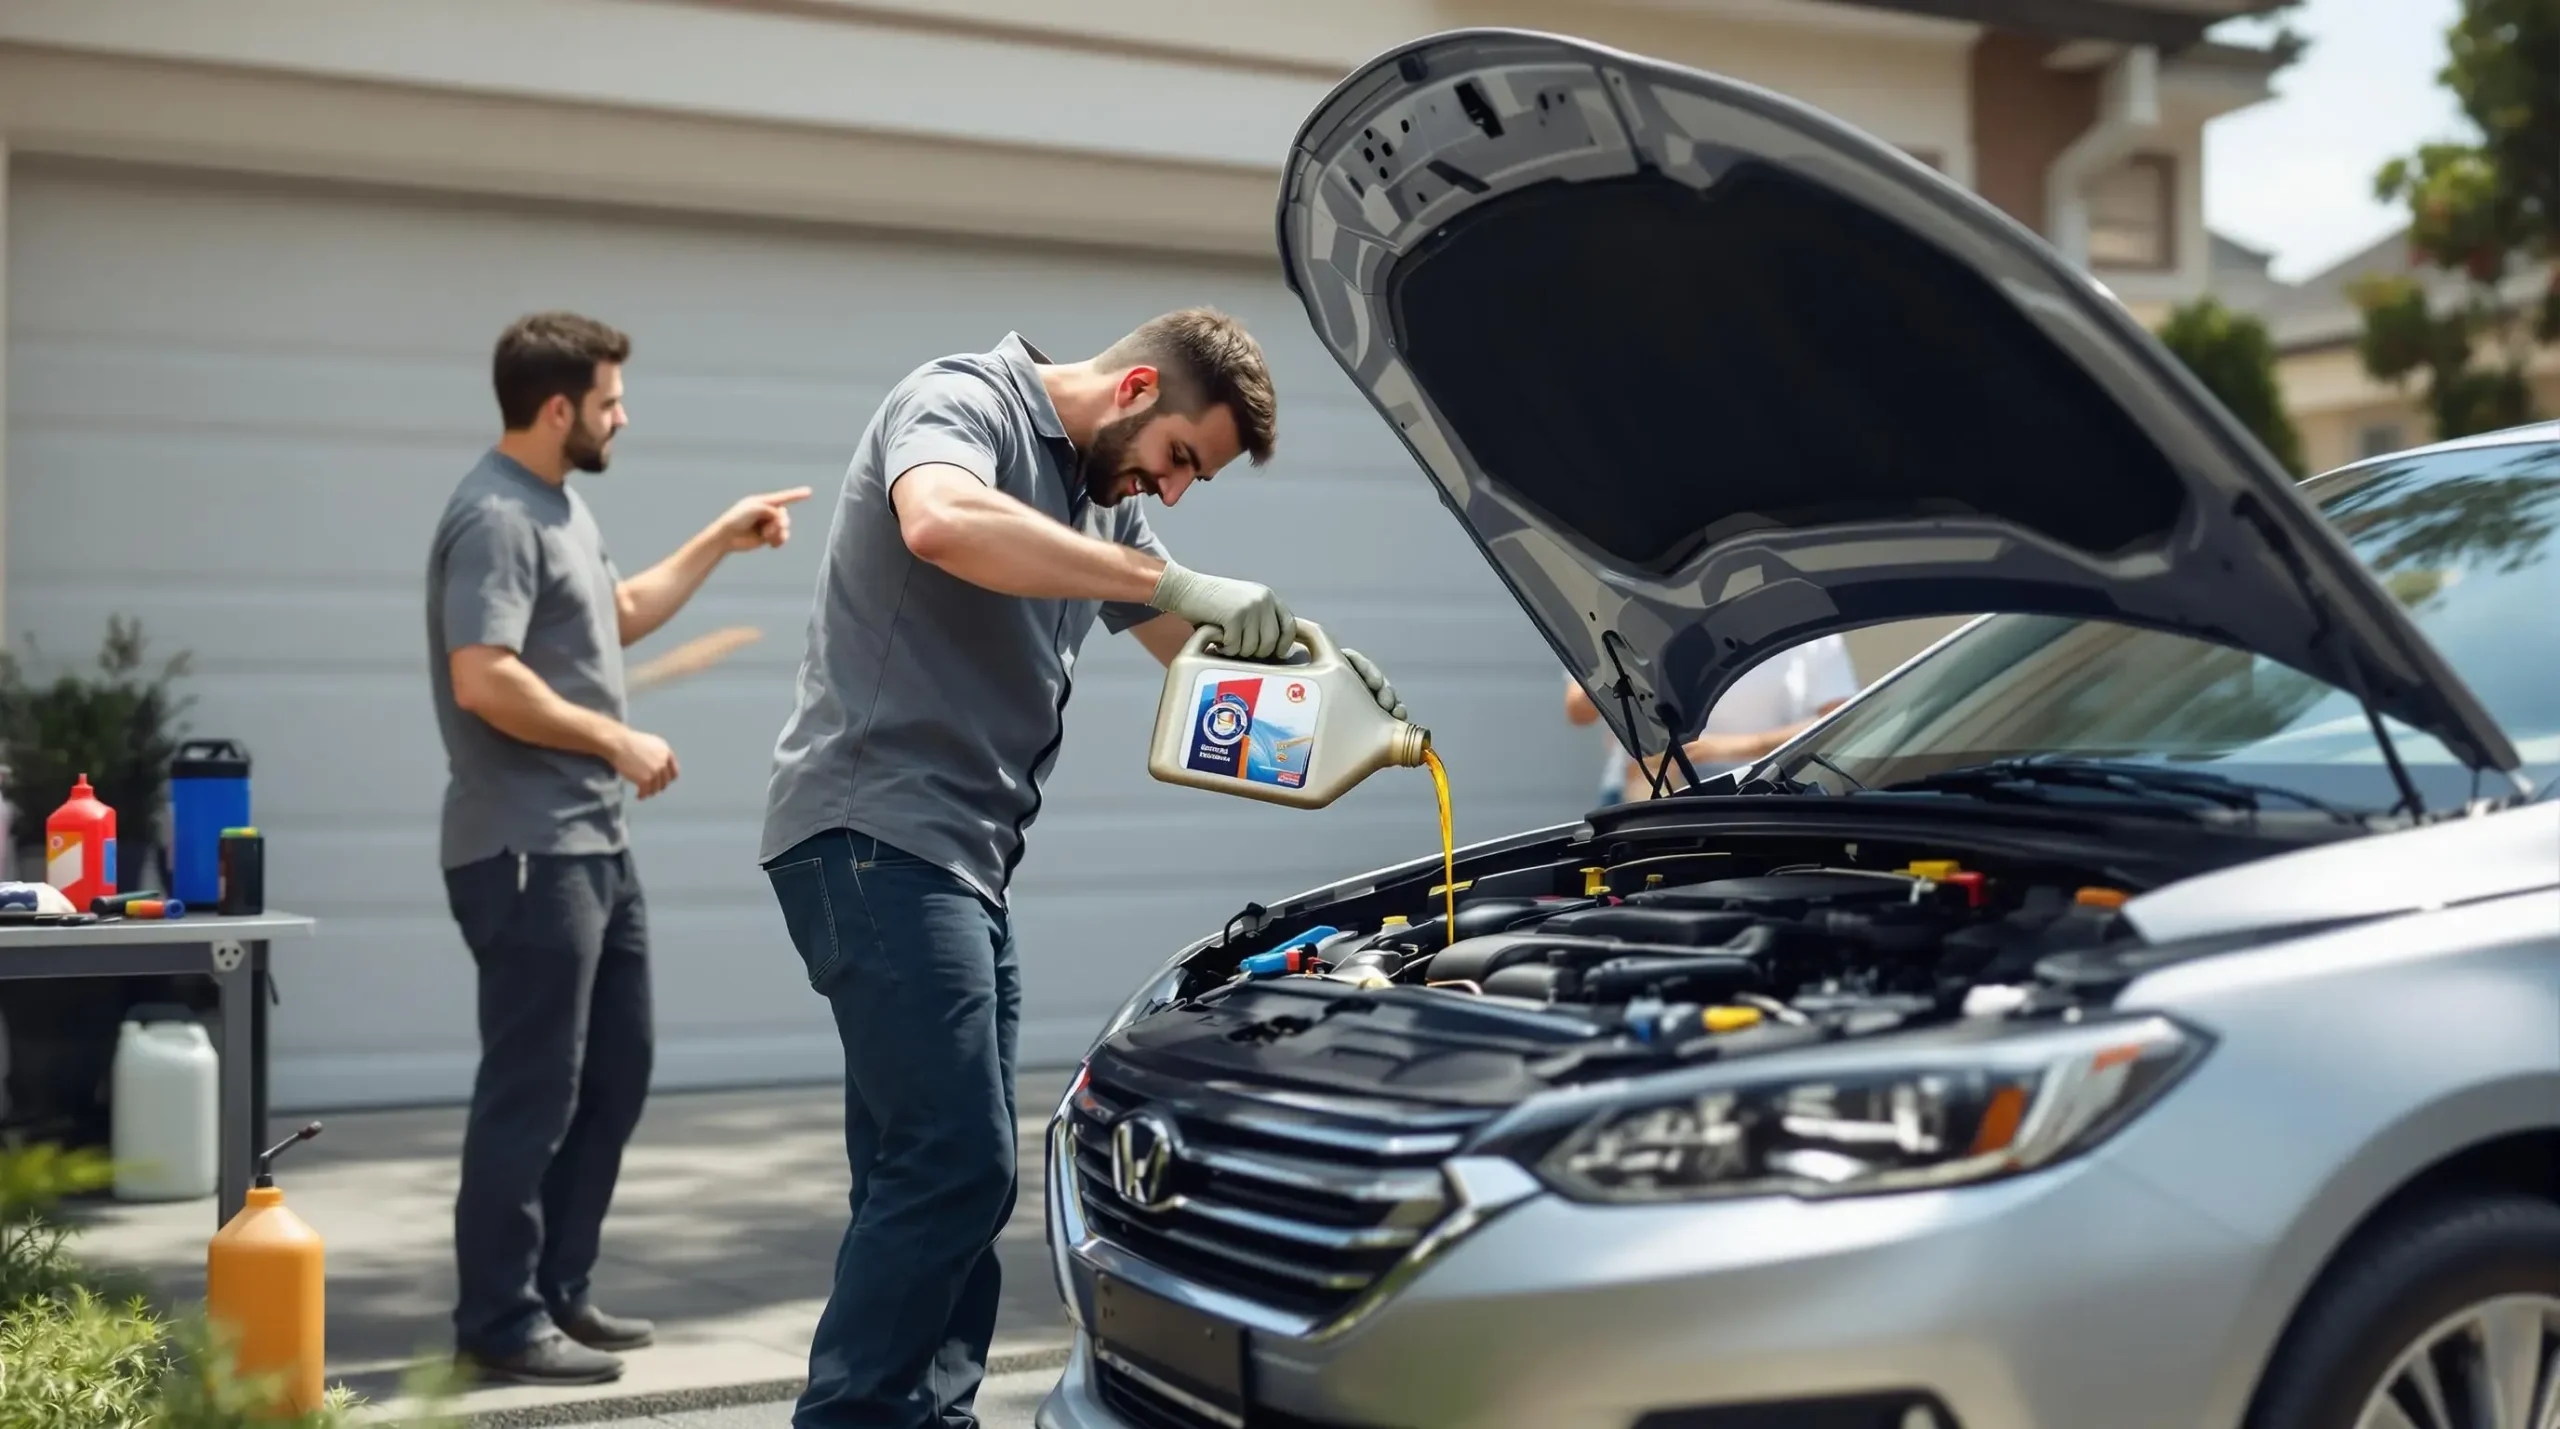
x,y
1663,710
2332,634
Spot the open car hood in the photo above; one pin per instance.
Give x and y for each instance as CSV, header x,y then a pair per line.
x,y
1707,373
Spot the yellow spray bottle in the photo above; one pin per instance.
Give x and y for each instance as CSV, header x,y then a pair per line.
x,y
264,1284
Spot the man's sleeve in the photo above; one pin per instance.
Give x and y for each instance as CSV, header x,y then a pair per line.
x,y
1118,616
492,572
1829,674
949,418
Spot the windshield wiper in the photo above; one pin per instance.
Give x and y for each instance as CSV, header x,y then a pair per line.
x,y
1855,783
2115,776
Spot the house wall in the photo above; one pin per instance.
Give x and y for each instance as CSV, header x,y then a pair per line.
x,y
2025,113
250,246
2334,403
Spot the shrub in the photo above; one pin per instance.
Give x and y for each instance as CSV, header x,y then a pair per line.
x,y
76,1352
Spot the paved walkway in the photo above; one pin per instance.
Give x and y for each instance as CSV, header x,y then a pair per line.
x,y
1004,1402
724,1231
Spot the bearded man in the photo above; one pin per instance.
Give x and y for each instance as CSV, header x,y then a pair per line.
x,y
526,621
987,520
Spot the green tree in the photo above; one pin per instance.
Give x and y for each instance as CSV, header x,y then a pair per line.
x,y
2486,211
2231,354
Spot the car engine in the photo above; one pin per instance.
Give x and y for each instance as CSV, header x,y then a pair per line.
x,y
1561,973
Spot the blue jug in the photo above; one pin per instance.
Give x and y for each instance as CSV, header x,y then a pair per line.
x,y
208,792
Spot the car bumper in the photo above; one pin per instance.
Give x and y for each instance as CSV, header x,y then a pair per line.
x,y
2079,1296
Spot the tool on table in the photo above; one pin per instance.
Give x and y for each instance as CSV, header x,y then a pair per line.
x,y
138,905
266,1283
243,874
692,657
208,792
21,902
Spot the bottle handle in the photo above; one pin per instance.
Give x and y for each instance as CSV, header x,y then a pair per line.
x,y
1318,645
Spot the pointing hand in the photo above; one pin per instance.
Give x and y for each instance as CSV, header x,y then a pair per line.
x,y
761,520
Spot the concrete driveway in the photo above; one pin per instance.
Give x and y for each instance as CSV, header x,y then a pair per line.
x,y
724,1231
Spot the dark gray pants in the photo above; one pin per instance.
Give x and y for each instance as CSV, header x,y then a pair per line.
x,y
562,948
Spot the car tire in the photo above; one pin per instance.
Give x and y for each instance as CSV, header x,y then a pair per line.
x,y
2414,1282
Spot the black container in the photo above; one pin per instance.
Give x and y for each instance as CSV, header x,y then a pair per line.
x,y
244,873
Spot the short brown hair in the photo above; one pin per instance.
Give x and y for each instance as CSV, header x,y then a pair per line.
x,y
547,355
1207,359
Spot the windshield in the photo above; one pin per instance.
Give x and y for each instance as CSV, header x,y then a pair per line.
x,y
2464,539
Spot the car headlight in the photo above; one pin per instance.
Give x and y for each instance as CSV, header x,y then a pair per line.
x,y
1877,1119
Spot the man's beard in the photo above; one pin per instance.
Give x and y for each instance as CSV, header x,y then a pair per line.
x,y
585,450
1106,461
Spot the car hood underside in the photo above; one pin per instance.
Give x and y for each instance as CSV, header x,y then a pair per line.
x,y
1707,374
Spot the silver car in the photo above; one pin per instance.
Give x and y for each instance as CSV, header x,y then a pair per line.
x,y
2140,1009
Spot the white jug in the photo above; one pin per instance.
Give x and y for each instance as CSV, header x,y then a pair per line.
x,y
167,1112
1299,731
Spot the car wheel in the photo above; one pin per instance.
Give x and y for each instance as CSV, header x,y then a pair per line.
x,y
2448,1319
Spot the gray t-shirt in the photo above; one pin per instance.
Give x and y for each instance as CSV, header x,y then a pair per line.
x,y
929,710
519,563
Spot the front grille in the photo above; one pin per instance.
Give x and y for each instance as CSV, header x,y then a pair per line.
x,y
1298,1204
1145,1408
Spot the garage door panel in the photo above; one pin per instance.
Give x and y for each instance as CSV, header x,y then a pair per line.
x,y
249,402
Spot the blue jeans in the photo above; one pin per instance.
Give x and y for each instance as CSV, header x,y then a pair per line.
x,y
922,976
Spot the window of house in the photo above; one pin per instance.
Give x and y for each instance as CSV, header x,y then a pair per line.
x,y
2133,215
2377,438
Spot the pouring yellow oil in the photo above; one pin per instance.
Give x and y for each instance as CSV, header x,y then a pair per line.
x,y
1448,837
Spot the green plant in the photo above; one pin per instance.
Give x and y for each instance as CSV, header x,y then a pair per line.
x,y
2235,359
2485,210
78,1361
120,728
35,1259
77,1352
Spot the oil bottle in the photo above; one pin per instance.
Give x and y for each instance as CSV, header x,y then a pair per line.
x,y
264,1282
1302,731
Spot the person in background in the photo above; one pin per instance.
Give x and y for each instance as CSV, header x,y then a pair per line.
x,y
1764,709
526,621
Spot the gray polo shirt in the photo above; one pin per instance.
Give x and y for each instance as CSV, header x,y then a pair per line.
x,y
518,562
929,710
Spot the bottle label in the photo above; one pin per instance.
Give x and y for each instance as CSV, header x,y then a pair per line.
x,y
62,859
1255,727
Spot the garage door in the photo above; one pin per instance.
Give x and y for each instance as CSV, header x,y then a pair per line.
x,y
235,411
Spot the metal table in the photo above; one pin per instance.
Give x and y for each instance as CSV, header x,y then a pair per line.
x,y
232,952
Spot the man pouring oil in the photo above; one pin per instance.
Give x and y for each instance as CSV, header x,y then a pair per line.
x,y
986,521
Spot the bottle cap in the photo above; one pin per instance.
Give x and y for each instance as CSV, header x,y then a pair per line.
x,y
239,833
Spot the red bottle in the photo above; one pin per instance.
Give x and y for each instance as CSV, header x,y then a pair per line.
x,y
80,846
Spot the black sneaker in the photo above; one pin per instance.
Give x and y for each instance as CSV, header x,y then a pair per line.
x,y
552,1359
597,1330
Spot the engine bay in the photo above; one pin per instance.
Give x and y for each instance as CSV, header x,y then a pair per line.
x,y
1559,971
